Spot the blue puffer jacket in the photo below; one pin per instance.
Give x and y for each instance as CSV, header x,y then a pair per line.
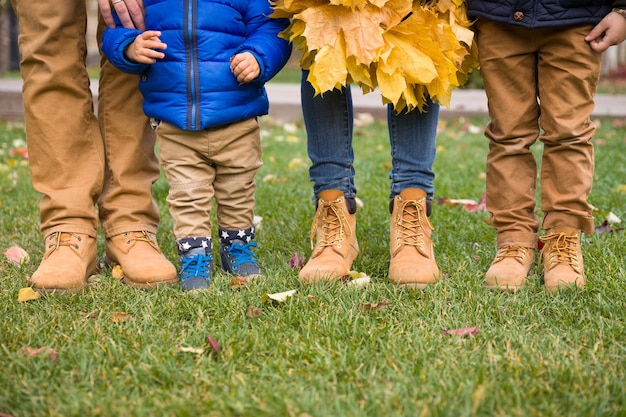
x,y
542,13
193,87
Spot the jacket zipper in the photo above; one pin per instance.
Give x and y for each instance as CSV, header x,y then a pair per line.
x,y
192,65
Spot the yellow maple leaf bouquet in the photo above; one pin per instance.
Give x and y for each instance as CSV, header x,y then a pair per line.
x,y
408,49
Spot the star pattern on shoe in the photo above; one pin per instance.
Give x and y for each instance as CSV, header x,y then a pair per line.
x,y
227,237
188,243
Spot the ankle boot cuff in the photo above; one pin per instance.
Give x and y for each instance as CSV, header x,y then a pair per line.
x,y
188,243
227,237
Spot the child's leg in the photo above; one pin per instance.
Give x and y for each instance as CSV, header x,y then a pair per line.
x,y
508,65
236,152
568,75
190,175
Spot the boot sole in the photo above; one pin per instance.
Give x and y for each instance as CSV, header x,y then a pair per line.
x,y
150,285
414,285
507,288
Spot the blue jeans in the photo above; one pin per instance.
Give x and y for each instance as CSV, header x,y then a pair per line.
x,y
329,125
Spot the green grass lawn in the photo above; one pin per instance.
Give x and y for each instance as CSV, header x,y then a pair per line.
x,y
118,351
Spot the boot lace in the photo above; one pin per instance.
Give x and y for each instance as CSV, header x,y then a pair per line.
x,y
142,236
518,253
241,253
560,248
63,239
331,214
195,266
410,223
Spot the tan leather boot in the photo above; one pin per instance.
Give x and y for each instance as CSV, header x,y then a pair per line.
x,y
509,268
562,259
70,259
412,251
333,231
141,259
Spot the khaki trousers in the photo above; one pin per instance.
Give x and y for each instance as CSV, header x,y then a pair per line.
x,y
220,162
76,160
540,84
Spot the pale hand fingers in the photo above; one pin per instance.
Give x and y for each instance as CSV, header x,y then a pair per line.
x,y
130,13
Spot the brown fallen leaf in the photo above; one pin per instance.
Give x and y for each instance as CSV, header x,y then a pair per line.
x,y
214,345
120,317
465,331
373,306
238,282
30,351
253,311
117,272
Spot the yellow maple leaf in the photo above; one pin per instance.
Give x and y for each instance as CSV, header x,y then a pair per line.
x,y
329,69
410,50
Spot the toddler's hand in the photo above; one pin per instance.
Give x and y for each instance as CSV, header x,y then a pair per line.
x,y
146,47
244,67
610,31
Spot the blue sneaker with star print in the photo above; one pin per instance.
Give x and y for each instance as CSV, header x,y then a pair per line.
x,y
196,262
195,270
238,259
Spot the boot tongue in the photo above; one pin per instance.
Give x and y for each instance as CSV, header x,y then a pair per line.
x,y
569,231
412,194
330,195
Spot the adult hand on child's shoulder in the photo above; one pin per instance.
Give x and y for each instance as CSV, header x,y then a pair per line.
x,y
610,31
130,13
245,67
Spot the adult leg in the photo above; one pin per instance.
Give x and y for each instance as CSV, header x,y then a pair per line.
x,y
64,142
328,120
127,210
413,147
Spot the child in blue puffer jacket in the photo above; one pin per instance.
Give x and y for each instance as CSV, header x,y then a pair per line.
x,y
203,65
540,63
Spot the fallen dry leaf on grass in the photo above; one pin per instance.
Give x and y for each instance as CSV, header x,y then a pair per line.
x,y
30,351
358,279
296,261
16,256
215,347
465,331
253,311
117,272
373,306
279,297
186,349
120,317
238,282
27,294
